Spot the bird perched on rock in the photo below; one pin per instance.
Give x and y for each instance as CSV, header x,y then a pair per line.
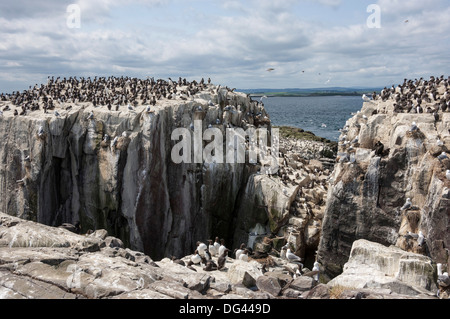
x,y
222,259
41,131
217,245
436,116
210,266
201,247
293,258
222,247
283,252
114,142
420,239
90,116
195,258
413,127
443,279
73,228
239,251
316,268
208,256
442,156
175,260
407,205
365,98
189,265
244,255
57,113
212,248
410,235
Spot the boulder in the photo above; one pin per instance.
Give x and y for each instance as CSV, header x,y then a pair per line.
x,y
372,265
245,273
268,284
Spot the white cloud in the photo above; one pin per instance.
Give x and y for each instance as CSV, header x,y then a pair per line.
x,y
233,40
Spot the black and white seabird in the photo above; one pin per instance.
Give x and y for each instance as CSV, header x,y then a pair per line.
x,y
73,228
196,258
210,266
407,204
222,247
442,156
222,259
201,247
175,260
189,266
217,245
244,255
239,251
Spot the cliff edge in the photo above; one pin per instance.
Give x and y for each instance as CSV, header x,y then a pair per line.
x,y
391,153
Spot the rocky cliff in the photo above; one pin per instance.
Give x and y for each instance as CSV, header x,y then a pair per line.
x,y
388,152
78,152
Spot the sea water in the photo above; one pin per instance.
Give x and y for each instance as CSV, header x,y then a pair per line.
x,y
322,115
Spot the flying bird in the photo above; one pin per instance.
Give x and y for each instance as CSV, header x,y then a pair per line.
x,y
270,69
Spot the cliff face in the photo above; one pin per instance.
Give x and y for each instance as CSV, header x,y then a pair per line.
x,y
371,182
127,182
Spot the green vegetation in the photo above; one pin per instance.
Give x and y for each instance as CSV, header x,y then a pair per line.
x,y
300,134
329,151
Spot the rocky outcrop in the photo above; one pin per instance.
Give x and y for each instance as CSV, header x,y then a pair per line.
x,y
114,171
382,161
372,265
112,168
43,262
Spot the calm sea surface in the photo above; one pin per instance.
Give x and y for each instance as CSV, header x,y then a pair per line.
x,y
322,115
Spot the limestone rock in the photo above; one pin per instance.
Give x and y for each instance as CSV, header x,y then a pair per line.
x,y
268,284
372,265
245,273
365,195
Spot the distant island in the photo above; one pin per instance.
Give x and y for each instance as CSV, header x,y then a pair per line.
x,y
332,91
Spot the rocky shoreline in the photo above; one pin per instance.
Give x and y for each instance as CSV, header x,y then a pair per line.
x,y
43,262
109,173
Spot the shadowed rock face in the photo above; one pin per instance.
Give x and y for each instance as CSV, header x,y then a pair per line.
x,y
132,189
366,195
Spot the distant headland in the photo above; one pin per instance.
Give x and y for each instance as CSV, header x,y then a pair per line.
x,y
293,92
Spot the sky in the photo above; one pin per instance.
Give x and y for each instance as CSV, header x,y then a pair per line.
x,y
307,43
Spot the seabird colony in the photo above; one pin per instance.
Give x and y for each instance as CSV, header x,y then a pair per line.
x,y
111,93
418,96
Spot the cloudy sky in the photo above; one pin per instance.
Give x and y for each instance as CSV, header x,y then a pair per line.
x,y
308,43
